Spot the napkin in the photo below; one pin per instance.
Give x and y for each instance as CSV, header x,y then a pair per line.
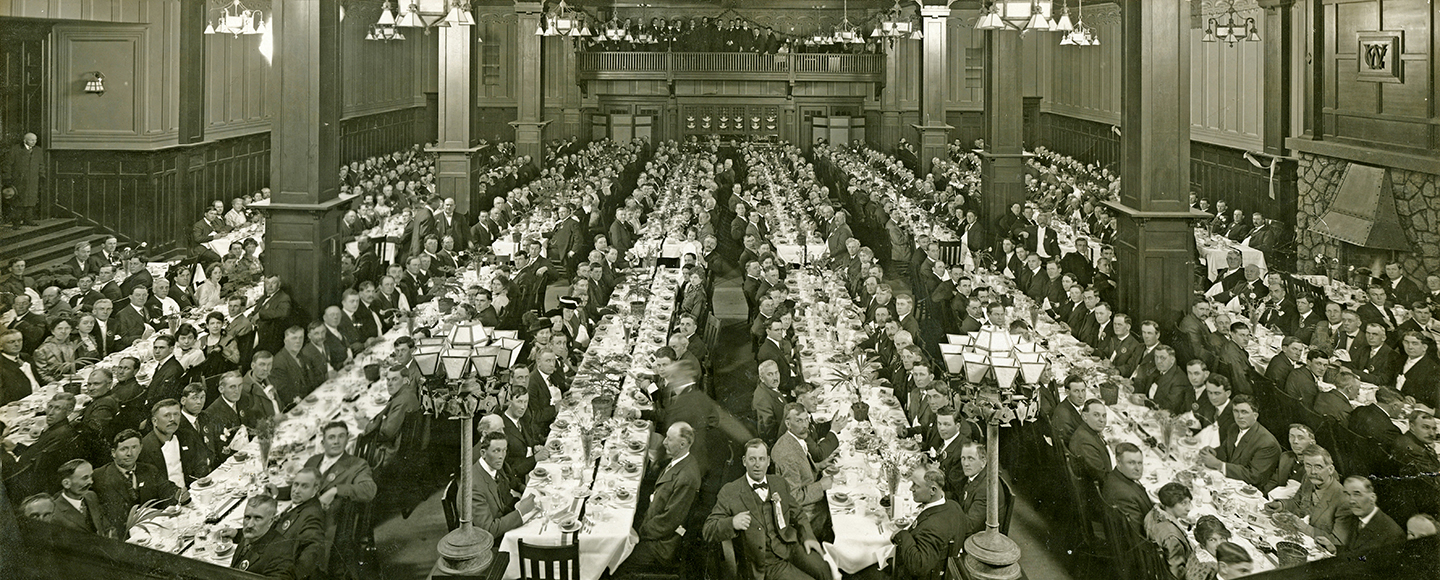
x,y
1210,436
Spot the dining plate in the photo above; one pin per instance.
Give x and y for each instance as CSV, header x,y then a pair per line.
x,y
622,494
540,473
204,482
840,499
569,525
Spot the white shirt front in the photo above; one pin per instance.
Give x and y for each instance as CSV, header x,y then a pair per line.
x,y
27,369
174,468
77,503
763,493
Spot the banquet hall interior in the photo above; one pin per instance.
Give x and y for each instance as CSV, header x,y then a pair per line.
x,y
719,289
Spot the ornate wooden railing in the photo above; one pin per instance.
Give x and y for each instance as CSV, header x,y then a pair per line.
x,y
737,65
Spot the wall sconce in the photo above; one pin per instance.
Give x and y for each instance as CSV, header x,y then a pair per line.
x,y
96,86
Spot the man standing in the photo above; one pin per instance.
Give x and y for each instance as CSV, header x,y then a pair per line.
x,y
776,537
25,171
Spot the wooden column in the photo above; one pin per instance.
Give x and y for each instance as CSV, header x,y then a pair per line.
x,y
192,72
1278,39
455,142
529,124
934,79
301,242
1002,169
1155,247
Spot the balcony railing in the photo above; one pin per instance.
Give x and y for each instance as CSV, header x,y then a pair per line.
x,y
727,65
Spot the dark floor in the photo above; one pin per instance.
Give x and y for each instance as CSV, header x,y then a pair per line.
x,y
406,546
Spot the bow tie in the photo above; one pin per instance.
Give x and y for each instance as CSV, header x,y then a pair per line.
x,y
760,486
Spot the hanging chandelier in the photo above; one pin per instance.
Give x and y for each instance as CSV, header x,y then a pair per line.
x,y
847,33
1080,34
1022,15
894,25
384,28
1233,30
443,13
565,22
236,20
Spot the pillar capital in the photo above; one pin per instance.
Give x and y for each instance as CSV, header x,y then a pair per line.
x,y
935,11
1275,4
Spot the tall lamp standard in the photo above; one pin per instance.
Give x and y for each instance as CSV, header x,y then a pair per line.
x,y
458,370
994,354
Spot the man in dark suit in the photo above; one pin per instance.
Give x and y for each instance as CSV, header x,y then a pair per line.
x,y
767,402
18,377
345,481
1416,449
1042,239
922,551
126,482
289,375
972,491
545,388
1362,526
1194,334
1307,318
484,232
1087,446
1399,287
566,240
522,449
1251,454
1278,370
225,416
675,490
179,453
261,548
1376,363
1122,487
422,224
1167,386
759,508
132,320
1304,385
1065,418
1377,309
166,383
1125,350
776,348
492,498
304,524
76,507
1418,376
1377,420
272,315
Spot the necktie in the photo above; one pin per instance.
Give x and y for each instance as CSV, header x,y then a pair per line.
x,y
130,476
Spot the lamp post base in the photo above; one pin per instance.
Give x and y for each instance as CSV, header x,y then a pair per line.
x,y
465,551
989,555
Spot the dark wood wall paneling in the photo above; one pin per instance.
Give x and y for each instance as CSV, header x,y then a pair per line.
x,y
377,134
1398,114
155,196
22,79
1216,172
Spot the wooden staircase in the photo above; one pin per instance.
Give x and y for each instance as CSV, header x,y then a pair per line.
x,y
46,244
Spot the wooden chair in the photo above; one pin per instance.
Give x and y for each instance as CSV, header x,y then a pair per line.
x,y
549,562
447,503
733,565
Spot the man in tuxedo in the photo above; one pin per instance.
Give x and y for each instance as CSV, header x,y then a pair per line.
x,y
922,551
546,387
1277,311
676,488
345,481
179,453
1041,238
127,482
1418,375
760,509
1251,454
76,506
18,376
566,239
1086,444
1359,524
492,498
1122,487
272,314
262,548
